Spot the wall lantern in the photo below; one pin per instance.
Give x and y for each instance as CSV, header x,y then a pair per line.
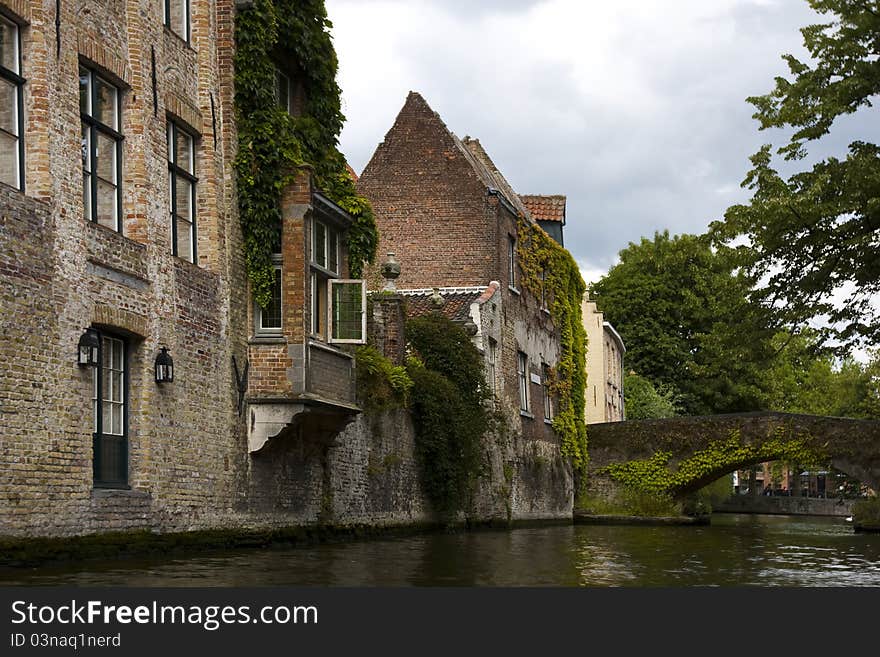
x,y
89,350
164,367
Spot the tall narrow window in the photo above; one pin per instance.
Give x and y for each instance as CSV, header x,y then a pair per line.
x,y
511,261
110,405
493,359
182,189
522,372
282,91
545,386
268,320
11,122
101,150
176,16
324,266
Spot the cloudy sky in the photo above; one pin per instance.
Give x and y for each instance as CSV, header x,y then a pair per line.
x,y
634,109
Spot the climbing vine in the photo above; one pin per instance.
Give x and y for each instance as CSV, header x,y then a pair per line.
x,y
653,474
450,416
381,384
272,144
549,267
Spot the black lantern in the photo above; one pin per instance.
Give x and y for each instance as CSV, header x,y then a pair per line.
x,y
89,351
164,367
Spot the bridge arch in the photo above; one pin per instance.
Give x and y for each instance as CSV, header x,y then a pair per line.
x,y
681,455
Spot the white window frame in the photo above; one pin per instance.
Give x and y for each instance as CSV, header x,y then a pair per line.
x,y
259,329
330,308
522,375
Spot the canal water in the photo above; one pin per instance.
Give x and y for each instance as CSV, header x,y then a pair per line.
x,y
734,550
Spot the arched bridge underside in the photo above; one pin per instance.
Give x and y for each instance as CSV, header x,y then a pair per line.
x,y
682,454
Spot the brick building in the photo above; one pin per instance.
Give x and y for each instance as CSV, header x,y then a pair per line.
x,y
450,217
119,227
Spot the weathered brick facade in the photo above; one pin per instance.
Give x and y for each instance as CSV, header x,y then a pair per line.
x,y
190,463
449,215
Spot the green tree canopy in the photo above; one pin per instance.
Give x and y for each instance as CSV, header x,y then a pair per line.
x,y
818,232
644,401
684,314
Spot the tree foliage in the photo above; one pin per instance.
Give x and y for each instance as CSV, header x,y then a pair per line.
x,y
818,232
684,314
645,401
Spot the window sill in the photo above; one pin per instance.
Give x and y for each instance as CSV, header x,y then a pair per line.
x,y
267,338
514,290
526,414
329,348
545,311
548,422
180,39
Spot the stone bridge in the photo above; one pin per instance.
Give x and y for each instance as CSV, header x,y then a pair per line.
x,y
682,454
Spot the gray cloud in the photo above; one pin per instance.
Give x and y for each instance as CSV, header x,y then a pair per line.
x,y
635,111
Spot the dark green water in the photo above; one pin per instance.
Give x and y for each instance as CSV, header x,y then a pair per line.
x,y
735,550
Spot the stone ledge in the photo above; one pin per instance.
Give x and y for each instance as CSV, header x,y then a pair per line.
x,y
581,518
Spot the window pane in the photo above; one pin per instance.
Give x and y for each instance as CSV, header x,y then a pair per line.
x,y
85,99
319,249
333,264
347,310
9,45
319,304
8,159
270,317
184,151
87,196
8,106
184,239
118,386
106,98
106,210
177,19
183,189
117,419
86,148
106,158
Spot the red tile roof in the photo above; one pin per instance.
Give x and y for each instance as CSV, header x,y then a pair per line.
x,y
545,208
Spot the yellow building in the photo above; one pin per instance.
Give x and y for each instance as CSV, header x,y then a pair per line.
x,y
605,350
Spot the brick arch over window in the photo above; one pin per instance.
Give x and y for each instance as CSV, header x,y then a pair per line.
x,y
117,318
90,49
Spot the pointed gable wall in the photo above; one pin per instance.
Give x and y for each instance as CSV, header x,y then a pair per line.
x,y
432,206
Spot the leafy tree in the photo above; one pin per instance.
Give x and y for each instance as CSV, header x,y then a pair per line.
x,y
683,312
818,232
644,401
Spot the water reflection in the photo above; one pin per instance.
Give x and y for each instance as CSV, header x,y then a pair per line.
x,y
735,550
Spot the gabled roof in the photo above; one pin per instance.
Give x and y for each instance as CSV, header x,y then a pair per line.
x,y
456,303
489,173
545,208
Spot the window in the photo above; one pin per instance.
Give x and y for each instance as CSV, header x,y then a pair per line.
x,y
182,189
545,386
348,319
110,405
282,91
325,263
175,15
493,360
511,261
268,320
101,150
522,371
11,122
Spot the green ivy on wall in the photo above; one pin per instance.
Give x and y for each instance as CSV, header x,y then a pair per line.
x,y
272,144
654,475
546,264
